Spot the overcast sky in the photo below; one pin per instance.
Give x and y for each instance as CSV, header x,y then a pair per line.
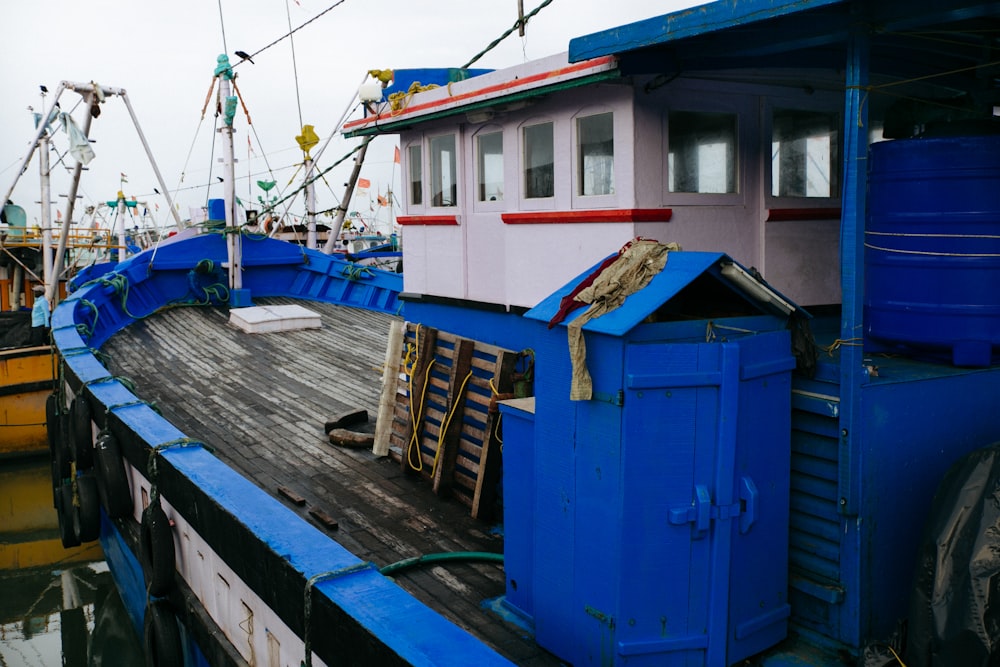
x,y
164,53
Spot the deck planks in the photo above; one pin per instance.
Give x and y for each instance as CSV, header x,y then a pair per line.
x,y
261,402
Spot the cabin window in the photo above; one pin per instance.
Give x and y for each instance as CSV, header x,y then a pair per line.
x,y
489,160
415,163
702,152
596,155
804,158
539,161
444,171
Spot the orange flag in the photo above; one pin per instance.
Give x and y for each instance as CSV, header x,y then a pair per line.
x,y
395,156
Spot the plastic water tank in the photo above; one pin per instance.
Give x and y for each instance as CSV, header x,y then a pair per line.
x,y
932,248
217,209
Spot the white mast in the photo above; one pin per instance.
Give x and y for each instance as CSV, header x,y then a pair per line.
x,y
331,243
310,205
234,240
46,211
122,212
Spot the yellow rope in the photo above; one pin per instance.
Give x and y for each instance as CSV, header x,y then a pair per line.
x,y
837,344
447,422
417,417
399,101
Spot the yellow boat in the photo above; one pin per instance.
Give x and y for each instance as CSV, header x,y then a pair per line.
x,y
26,379
29,527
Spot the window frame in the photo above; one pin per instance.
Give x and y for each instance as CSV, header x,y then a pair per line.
x,y
456,171
825,104
486,204
577,157
536,203
742,108
407,152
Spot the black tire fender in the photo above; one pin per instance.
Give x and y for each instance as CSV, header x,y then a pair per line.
x,y
156,550
112,480
69,528
89,520
81,433
161,636
61,451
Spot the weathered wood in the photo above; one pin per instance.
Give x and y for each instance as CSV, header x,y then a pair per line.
x,y
485,496
390,385
345,438
461,367
426,341
263,415
292,496
325,519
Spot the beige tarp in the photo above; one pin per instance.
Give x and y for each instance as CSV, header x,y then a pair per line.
x,y
632,271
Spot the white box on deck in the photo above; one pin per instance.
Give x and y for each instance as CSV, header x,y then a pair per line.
x,y
265,319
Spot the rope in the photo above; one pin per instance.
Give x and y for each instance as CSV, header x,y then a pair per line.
x,y
152,468
127,382
931,253
935,236
446,423
292,32
357,272
307,609
840,342
517,24
417,417
711,326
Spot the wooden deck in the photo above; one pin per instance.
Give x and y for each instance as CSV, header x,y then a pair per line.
x,y
262,400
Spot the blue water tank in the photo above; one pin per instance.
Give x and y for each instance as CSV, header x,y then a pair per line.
x,y
217,209
932,248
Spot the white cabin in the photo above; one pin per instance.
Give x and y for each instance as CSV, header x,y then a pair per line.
x,y
519,179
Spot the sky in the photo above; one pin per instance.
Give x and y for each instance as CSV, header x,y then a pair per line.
x,y
163,54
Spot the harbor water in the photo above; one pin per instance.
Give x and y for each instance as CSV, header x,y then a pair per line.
x,y
57,606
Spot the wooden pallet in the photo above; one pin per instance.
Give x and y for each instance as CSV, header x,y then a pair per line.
x,y
438,414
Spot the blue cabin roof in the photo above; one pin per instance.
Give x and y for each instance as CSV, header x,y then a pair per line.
x,y
681,270
765,33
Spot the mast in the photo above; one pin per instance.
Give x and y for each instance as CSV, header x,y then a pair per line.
x,y
52,279
122,212
46,211
311,239
234,241
331,243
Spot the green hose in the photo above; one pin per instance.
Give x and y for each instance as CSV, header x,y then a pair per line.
x,y
467,556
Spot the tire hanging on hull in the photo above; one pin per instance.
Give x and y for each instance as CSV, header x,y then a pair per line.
x,y
82,434
161,637
156,550
112,480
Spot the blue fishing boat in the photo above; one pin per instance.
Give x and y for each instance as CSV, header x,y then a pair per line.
x,y
696,316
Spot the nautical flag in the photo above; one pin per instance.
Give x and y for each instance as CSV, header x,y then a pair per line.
x,y
363,185
395,155
382,200
124,178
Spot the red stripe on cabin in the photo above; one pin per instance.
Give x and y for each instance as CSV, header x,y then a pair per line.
x,y
500,87
788,214
615,215
427,220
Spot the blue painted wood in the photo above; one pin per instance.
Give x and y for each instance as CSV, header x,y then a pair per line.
x,y
708,18
151,280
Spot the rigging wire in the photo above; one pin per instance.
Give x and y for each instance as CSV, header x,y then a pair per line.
x,y
222,26
292,32
295,67
517,24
